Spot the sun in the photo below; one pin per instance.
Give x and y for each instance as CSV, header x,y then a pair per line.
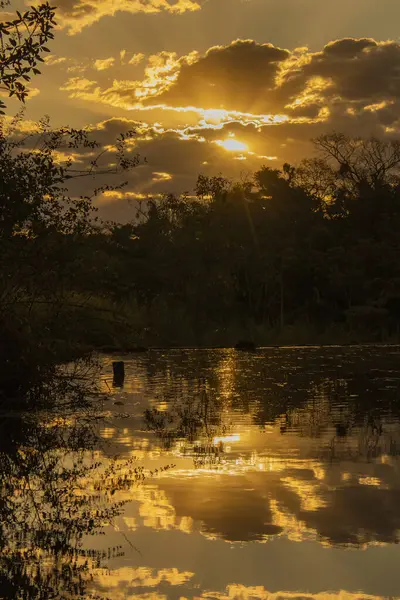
x,y
232,145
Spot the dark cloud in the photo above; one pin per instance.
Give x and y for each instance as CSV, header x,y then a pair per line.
x,y
240,77
354,515
361,71
347,77
260,78
339,513
347,48
224,509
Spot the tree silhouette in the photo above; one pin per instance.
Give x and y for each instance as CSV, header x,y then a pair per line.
x,y
43,231
22,43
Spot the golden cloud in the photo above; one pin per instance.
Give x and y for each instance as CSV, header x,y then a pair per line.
x,y
75,15
160,176
160,73
243,104
136,58
242,592
101,64
75,85
143,577
32,92
260,83
240,76
52,60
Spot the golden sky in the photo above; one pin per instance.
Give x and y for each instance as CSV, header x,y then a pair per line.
x,y
219,85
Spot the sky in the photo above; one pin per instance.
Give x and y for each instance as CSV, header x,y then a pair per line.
x,y
218,86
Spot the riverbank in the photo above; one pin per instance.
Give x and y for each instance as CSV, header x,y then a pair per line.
x,y
274,341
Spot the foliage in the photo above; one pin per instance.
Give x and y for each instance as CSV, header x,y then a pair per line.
x,y
47,506
22,43
44,228
305,253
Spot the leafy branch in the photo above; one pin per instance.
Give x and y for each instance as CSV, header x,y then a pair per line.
x,y
22,43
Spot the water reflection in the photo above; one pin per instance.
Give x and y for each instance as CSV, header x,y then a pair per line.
x,y
55,490
294,450
285,482
288,448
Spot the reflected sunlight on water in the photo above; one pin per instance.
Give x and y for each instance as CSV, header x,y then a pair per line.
x,y
286,480
214,474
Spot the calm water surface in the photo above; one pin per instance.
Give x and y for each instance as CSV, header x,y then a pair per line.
x,y
273,474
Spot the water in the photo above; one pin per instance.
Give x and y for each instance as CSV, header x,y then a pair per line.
x,y
226,475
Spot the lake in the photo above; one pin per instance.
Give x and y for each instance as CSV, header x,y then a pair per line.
x,y
238,475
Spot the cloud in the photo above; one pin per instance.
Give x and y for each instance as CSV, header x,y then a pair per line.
x,y
67,63
238,591
253,82
348,74
118,95
354,517
142,577
240,516
240,76
239,106
161,70
261,78
136,58
101,64
351,72
78,84
160,176
53,60
32,92
6,16
121,582
75,15
174,158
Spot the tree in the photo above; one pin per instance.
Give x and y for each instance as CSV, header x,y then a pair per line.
x,y
308,245
47,266
357,161
22,43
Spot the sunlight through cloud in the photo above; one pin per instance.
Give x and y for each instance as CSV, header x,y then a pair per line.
x,y
232,145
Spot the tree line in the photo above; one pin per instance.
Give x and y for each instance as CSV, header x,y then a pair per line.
x,y
304,254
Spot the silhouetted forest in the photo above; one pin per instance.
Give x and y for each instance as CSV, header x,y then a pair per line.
x,y
296,255
305,254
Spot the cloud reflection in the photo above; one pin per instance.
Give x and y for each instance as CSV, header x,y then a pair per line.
x,y
250,468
